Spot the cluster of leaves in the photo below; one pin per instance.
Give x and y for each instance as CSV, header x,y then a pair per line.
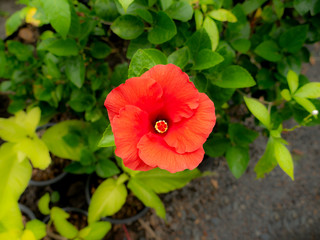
x,y
240,53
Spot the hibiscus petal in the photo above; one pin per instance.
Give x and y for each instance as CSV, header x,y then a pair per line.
x,y
144,93
189,134
155,152
128,127
179,93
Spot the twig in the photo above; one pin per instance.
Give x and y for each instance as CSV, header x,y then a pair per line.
x,y
148,229
126,232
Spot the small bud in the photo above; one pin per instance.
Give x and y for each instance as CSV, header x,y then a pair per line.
x,y
315,112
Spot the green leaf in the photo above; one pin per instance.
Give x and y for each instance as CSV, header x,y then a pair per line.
x,y
144,14
163,29
65,228
259,111
53,137
293,38
250,6
143,60
309,90
120,74
303,6
234,77
293,81
125,4
267,162
140,42
206,58
305,103
211,28
268,50
60,47
181,11
165,4
59,15
179,57
78,168
108,199
55,197
124,168
95,231
75,28
14,22
21,51
87,157
107,139
106,9
147,196
198,17
37,227
216,146
286,94
127,27
36,150
100,50
241,45
240,135
284,158
43,204
75,70
278,7
81,100
5,85
198,41
222,15
3,68
162,181
72,139
238,160
106,168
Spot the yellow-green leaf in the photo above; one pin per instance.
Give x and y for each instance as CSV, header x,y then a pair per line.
x,y
65,228
211,28
108,199
198,17
36,150
147,196
53,138
293,81
14,176
43,204
11,219
222,15
10,131
305,103
28,235
162,181
95,231
309,90
37,227
286,94
284,158
259,111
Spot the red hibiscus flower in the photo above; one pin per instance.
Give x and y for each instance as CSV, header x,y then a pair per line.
x,y
160,120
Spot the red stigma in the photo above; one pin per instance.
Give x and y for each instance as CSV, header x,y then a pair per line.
x,y
161,126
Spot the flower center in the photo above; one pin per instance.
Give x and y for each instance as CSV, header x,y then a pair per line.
x,y
161,126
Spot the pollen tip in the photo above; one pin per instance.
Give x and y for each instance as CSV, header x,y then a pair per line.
x,y
161,126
